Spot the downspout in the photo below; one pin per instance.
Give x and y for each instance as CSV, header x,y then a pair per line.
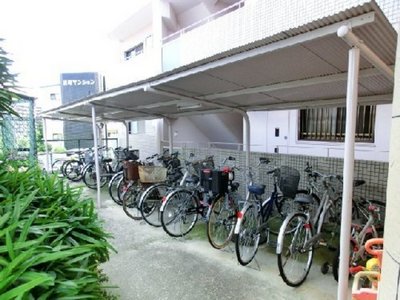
x,y
170,135
126,134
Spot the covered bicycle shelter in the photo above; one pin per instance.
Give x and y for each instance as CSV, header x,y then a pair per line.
x,y
344,59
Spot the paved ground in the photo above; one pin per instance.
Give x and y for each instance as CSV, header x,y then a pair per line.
x,y
151,265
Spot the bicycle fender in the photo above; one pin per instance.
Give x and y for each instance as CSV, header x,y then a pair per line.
x,y
145,193
112,178
239,216
168,196
282,230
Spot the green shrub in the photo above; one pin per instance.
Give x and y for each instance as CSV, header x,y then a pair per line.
x,y
51,241
59,149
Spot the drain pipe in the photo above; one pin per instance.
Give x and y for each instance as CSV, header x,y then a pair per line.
x,y
170,135
126,134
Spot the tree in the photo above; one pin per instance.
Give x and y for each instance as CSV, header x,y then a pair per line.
x,y
8,85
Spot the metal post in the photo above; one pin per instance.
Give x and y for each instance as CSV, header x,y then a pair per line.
x,y
126,134
96,155
170,136
46,148
106,134
246,138
348,171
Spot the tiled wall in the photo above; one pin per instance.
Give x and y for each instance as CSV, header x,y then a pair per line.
x,y
374,173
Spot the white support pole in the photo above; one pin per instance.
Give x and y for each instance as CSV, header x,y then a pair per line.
x,y
96,155
47,166
348,171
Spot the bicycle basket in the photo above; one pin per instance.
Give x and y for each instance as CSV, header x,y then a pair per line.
x,y
207,163
131,171
89,157
152,174
288,181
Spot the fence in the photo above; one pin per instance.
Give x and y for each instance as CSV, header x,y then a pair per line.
x,y
374,173
17,134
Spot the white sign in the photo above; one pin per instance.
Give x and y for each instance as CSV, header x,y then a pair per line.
x,y
74,82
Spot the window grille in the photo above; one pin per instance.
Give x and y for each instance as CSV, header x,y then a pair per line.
x,y
329,124
134,51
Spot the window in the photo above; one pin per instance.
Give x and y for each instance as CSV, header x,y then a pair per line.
x,y
134,51
329,124
136,127
53,97
57,136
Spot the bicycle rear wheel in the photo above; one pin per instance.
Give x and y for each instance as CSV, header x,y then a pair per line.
x,y
150,203
90,177
221,222
73,170
180,213
113,187
294,259
130,200
248,238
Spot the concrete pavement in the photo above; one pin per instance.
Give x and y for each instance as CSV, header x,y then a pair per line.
x,y
152,265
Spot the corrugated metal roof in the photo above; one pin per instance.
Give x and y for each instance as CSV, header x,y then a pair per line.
x,y
283,68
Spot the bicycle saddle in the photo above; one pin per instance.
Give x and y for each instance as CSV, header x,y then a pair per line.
x,y
106,160
303,198
257,189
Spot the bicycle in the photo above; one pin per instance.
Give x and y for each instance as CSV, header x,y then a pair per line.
x,y
108,168
261,217
181,207
224,209
371,211
151,199
296,239
127,157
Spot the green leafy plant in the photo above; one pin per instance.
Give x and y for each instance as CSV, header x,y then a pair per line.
x,y
51,240
7,85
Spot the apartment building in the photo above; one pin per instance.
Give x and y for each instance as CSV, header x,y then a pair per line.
x,y
164,35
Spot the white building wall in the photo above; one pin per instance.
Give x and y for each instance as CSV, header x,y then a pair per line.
x,y
263,125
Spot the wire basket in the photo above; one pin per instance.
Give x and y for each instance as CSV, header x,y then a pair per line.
x,y
288,181
152,174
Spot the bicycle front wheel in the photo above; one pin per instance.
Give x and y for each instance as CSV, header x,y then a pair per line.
x,y
180,213
294,253
150,203
221,222
248,238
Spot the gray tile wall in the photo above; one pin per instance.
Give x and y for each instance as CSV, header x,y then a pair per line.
x,y
374,173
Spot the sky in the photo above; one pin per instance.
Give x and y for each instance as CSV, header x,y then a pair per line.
x,y
47,37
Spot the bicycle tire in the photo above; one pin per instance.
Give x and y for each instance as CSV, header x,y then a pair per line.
x,y
248,237
113,187
130,201
90,177
150,203
57,167
179,213
336,261
73,170
221,222
294,262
